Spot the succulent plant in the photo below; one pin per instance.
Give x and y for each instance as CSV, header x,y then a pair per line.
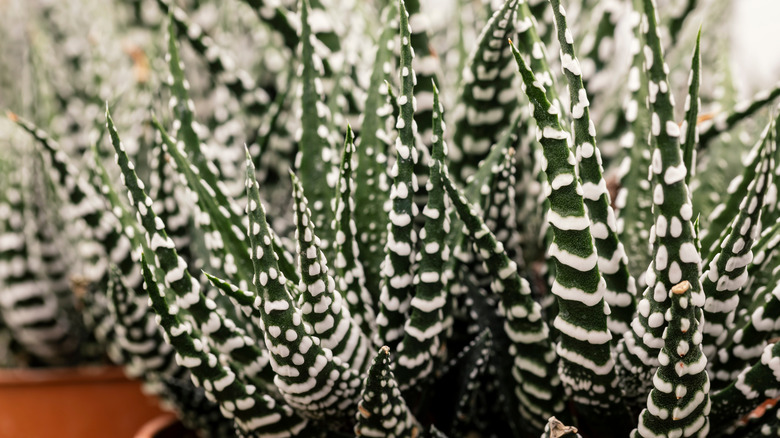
x,y
556,265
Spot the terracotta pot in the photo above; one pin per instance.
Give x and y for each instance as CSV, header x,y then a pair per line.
x,y
83,402
165,426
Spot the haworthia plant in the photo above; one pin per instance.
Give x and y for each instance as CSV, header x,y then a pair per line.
x,y
613,272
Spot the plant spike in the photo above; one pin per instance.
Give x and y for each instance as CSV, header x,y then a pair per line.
x,y
500,208
349,273
771,211
723,214
423,332
587,367
725,121
142,350
537,389
761,269
183,108
86,210
382,410
487,99
223,237
752,386
726,274
750,335
202,175
253,412
316,160
371,193
255,99
397,285
679,403
170,205
635,198
309,378
427,63
690,126
323,305
612,259
220,330
555,429
531,44
675,255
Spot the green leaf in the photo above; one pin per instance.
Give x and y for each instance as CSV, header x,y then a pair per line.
x,y
539,395
139,340
372,192
423,332
194,409
322,304
475,360
585,339
635,198
612,259
676,258
308,378
278,19
220,330
254,100
222,220
722,216
36,305
679,402
381,410
349,273
753,385
692,104
397,285
424,67
316,161
741,111
253,412
726,275
487,100
84,205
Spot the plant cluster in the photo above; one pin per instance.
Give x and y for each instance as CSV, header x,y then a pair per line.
x,y
307,250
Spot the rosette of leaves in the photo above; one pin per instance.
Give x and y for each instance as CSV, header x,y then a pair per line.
x,y
381,306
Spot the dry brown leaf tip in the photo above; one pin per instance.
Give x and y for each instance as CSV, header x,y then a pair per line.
x,y
558,429
681,288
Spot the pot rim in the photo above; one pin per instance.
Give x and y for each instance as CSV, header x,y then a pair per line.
x,y
96,374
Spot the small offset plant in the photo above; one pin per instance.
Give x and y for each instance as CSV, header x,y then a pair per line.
x,y
544,268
